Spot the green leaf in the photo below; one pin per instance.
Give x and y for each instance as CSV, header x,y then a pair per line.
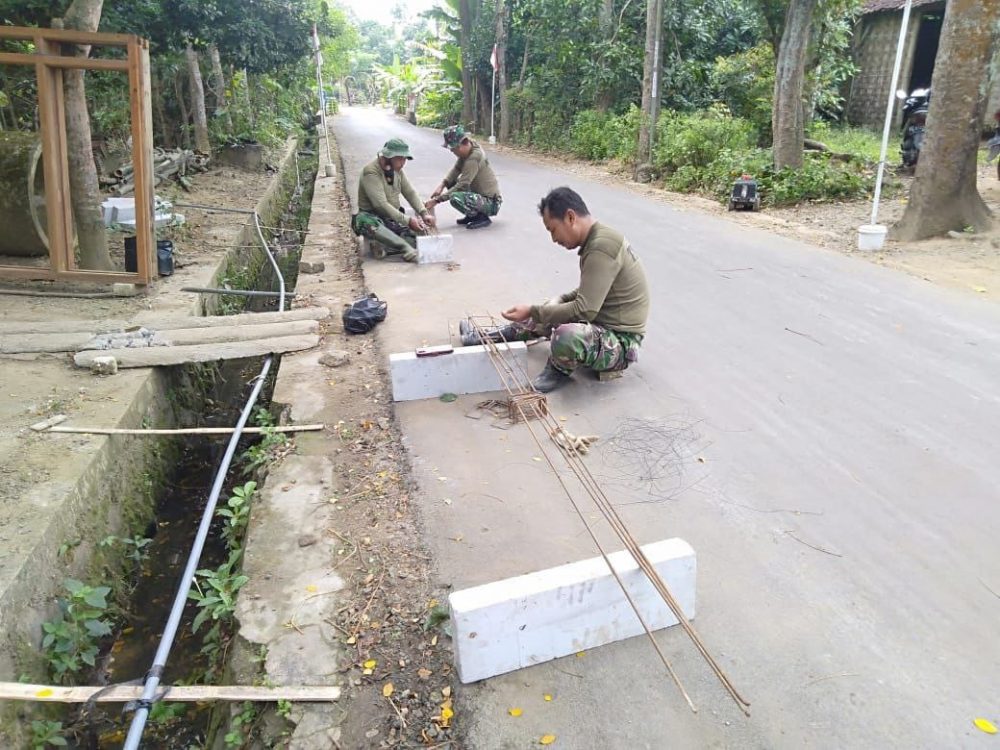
x,y
72,585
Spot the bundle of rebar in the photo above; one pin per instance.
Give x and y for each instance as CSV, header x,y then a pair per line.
x,y
531,407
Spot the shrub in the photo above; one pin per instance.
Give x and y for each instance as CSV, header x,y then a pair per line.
x,y
820,178
744,82
696,139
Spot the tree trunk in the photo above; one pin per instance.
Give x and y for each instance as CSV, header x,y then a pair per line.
x,y
201,142
787,118
465,45
524,63
502,69
84,15
484,91
605,17
650,88
182,105
944,195
219,84
159,113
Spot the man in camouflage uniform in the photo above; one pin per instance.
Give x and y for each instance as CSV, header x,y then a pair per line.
x,y
471,186
379,216
601,323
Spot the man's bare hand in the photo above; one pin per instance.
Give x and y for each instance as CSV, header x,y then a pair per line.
x,y
430,220
429,205
417,224
517,313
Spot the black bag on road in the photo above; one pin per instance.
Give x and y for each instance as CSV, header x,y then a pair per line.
x,y
364,314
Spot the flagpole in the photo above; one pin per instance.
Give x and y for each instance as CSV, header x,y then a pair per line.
x,y
493,95
328,168
493,102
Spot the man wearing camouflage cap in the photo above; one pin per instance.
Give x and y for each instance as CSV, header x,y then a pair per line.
x,y
471,186
380,217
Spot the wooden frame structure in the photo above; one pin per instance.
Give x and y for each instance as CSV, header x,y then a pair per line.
x,y
49,62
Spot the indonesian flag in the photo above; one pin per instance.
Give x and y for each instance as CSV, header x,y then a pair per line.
x,y
493,58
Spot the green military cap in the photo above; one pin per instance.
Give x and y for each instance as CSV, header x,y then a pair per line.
x,y
454,135
395,147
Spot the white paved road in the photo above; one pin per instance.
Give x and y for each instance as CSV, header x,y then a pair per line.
x,y
799,399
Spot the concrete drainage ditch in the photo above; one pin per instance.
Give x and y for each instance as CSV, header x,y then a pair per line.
x,y
113,566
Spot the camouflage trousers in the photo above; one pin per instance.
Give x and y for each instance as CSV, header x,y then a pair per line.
x,y
470,204
395,237
587,344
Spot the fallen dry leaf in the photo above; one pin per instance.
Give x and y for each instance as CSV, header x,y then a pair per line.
x,y
985,725
547,697
370,664
423,674
515,711
547,739
387,689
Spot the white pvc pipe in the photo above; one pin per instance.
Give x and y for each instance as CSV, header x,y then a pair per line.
x,y
888,110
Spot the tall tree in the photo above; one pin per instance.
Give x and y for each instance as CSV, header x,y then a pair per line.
x,y
197,89
84,15
944,194
219,87
788,118
465,15
501,42
652,69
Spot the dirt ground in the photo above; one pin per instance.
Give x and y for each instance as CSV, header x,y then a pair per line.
x,y
38,386
970,264
396,666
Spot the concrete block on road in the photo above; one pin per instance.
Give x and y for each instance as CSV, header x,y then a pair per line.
x,y
468,369
506,625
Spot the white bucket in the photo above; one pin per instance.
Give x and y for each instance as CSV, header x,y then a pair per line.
x,y
434,248
871,236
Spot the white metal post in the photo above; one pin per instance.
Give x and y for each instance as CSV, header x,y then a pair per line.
x,y
328,167
888,110
493,104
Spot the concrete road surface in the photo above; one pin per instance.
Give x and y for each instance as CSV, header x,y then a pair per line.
x,y
824,432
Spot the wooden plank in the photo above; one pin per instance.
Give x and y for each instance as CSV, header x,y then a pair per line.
x,y
51,343
159,356
90,277
62,61
46,424
56,191
123,693
178,431
151,321
142,158
66,35
44,343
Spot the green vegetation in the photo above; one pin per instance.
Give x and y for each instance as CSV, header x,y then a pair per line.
x,y
72,640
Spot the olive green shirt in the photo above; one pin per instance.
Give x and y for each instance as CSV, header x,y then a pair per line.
x,y
376,195
473,173
613,292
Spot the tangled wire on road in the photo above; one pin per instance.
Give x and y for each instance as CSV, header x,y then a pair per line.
x,y
652,452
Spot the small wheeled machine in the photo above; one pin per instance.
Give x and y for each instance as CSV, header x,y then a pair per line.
x,y
745,195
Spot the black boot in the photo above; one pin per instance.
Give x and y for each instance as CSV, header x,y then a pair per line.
x,y
509,332
466,219
479,221
550,379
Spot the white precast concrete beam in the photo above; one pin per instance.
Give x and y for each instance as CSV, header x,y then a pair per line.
x,y
502,626
467,369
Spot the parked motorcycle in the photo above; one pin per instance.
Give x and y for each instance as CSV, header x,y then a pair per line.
x,y
993,144
915,106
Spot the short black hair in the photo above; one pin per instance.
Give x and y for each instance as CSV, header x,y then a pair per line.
x,y
560,200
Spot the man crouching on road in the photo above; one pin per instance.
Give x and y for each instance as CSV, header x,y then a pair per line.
x,y
601,323
379,216
471,186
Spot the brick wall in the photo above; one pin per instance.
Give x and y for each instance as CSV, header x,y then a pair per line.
x,y
874,52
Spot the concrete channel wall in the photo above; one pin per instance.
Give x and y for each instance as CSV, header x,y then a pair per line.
x,y
105,485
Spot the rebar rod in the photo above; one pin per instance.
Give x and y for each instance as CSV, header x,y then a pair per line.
x,y
603,503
